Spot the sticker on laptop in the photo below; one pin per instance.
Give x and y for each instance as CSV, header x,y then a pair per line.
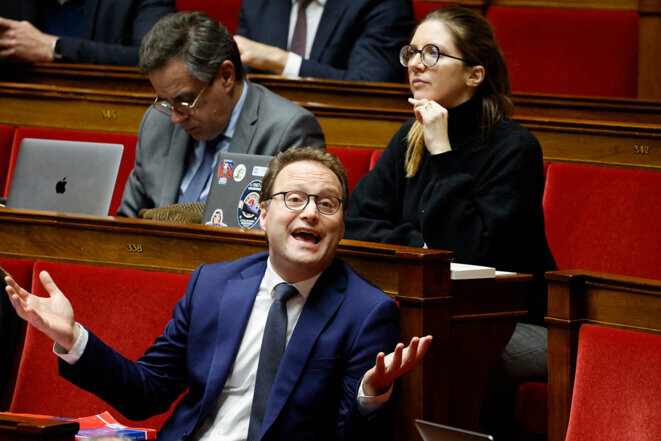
x,y
239,172
217,218
248,208
259,170
225,171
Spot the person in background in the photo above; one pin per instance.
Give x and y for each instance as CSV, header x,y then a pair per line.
x,y
77,31
205,105
287,344
354,40
462,176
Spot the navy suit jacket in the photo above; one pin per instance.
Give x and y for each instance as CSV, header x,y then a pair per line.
x,y
112,29
344,324
357,40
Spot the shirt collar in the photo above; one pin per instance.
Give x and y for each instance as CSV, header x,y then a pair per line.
x,y
271,279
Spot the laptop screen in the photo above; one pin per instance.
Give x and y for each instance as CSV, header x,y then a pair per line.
x,y
234,193
437,432
65,176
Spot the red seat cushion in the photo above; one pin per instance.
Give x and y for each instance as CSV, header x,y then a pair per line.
x,y
531,407
604,219
126,308
355,161
569,51
225,11
617,390
6,136
128,156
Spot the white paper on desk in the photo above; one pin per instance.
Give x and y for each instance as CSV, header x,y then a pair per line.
x,y
462,271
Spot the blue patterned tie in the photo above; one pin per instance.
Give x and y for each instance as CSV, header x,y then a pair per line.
x,y
273,346
194,190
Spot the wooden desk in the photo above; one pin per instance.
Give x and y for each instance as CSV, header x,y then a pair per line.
x,y
577,297
613,132
471,320
22,428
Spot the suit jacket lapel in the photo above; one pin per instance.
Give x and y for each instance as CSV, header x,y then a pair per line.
x,y
331,17
325,298
247,124
277,31
180,143
234,308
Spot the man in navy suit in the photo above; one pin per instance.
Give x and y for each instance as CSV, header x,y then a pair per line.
x,y
77,31
333,382
356,40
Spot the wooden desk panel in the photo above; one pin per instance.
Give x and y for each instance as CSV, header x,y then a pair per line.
x,y
461,315
636,145
578,297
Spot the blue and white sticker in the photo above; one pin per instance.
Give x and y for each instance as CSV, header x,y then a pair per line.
x,y
248,207
225,170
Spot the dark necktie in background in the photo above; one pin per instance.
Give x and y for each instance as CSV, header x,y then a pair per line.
x,y
194,190
273,346
299,39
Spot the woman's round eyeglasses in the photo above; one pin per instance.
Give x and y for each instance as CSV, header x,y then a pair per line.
x,y
429,54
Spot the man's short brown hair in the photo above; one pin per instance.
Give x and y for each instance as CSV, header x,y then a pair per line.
x,y
297,154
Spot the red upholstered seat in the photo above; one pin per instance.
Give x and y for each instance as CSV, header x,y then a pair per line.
x,y
6,136
569,51
374,158
600,219
355,161
617,388
12,330
126,308
225,11
128,157
604,219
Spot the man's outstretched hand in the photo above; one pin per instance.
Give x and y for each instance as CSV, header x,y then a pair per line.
x,y
52,315
389,367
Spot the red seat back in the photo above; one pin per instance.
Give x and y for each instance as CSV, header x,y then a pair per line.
x,y
617,389
126,308
6,136
569,51
374,158
225,11
12,329
604,219
128,157
355,161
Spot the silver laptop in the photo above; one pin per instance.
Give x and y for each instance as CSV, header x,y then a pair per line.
x,y
437,432
234,193
65,176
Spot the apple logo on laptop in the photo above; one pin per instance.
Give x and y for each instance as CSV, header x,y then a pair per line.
x,y
60,187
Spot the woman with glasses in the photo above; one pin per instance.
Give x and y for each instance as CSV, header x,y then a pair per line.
x,y
460,175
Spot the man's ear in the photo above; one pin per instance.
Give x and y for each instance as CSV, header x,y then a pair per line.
x,y
262,216
225,75
475,76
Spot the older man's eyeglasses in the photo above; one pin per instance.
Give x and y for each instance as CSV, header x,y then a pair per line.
x,y
297,201
182,107
429,54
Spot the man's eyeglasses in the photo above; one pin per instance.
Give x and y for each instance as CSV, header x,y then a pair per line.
x,y
429,54
182,107
298,200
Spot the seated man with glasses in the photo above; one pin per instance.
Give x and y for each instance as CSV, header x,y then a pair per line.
x,y
204,106
287,344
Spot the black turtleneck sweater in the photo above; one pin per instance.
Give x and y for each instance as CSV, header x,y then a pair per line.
x,y
482,200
